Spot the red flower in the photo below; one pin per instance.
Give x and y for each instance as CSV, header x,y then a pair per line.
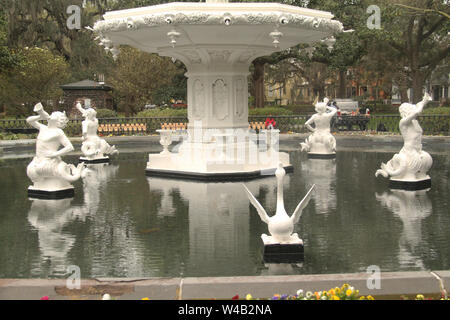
x,y
236,297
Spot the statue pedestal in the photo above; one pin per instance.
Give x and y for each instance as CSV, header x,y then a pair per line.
x,y
321,155
95,160
276,252
410,185
50,194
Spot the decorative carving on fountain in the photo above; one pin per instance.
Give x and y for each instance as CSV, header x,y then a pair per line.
x,y
93,147
50,175
408,168
240,97
198,99
220,99
211,18
321,143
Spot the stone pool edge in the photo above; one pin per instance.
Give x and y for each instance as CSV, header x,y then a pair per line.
x,y
392,284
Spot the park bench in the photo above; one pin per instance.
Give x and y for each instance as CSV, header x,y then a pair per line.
x,y
174,126
349,122
122,128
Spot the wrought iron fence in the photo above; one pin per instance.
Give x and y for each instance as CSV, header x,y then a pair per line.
x,y
431,124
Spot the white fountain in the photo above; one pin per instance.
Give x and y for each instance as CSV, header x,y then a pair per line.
x,y
217,41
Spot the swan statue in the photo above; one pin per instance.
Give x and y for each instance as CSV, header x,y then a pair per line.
x,y
280,225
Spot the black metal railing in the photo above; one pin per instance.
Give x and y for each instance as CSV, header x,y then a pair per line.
x,y
431,124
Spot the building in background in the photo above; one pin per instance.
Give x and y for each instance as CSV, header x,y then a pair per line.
x,y
97,95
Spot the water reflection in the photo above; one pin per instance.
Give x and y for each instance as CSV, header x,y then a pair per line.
x,y
322,173
52,219
411,207
49,218
219,221
95,179
279,269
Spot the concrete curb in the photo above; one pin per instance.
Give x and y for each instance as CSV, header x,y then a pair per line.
x,y
393,284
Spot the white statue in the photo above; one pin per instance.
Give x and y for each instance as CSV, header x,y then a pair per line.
x,y
411,164
280,225
321,142
93,147
47,171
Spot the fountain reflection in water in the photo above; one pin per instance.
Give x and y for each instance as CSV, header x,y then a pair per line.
x,y
322,173
52,220
411,207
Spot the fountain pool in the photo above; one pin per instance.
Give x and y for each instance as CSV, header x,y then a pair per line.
x,y
123,224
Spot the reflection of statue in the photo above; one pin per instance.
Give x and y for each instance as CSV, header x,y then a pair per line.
x,y
49,218
321,143
280,225
93,147
411,207
322,173
96,176
409,167
50,175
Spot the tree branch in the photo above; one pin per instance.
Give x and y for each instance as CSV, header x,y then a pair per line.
x,y
446,15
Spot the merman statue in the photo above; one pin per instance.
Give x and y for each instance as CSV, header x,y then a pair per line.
x,y
408,168
321,143
94,148
50,175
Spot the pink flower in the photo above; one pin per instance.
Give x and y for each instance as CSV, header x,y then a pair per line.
x,y
45,298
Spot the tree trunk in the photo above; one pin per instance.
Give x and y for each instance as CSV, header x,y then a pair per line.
x,y
342,88
258,83
417,86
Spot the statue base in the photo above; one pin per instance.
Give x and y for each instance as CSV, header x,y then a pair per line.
x,y
51,194
410,185
91,161
214,176
238,160
321,155
283,252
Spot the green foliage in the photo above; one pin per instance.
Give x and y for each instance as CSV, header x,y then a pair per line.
x,y
106,113
167,112
300,108
274,111
438,110
139,78
36,79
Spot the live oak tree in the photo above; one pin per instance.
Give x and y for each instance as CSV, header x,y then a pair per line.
x,y
36,78
139,77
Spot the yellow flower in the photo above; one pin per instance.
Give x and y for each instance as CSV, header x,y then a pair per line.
x,y
370,298
331,292
348,292
420,297
146,298
338,290
248,297
335,298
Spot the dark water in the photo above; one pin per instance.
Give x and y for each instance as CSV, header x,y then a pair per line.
x,y
123,224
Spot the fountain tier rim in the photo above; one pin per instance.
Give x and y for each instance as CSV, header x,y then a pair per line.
x,y
184,7
176,13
